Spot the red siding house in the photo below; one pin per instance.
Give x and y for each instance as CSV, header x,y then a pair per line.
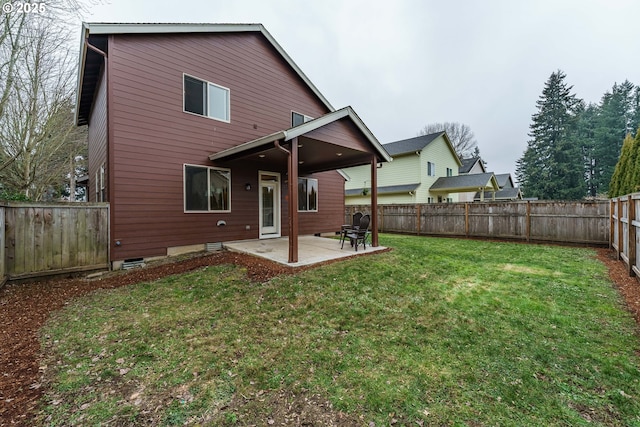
x,y
208,133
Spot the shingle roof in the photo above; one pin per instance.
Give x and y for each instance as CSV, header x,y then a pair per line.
x,y
384,190
467,164
461,182
410,145
504,194
504,179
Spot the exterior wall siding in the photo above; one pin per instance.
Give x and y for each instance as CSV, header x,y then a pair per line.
x,y
468,197
97,138
153,138
406,169
437,152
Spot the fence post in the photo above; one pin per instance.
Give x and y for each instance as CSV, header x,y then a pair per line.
x,y
381,207
611,223
631,213
620,230
418,218
528,221
466,219
2,245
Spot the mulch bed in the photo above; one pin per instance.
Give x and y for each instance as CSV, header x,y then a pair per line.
x,y
25,307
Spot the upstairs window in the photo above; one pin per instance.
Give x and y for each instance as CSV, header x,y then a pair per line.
x,y
449,172
431,169
307,195
206,99
297,119
207,189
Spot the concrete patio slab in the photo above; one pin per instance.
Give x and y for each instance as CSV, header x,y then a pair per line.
x,y
311,249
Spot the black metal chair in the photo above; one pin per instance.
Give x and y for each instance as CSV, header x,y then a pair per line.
x,y
347,228
359,235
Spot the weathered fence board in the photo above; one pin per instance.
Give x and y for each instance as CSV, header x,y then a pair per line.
x,y
550,221
2,250
43,239
625,239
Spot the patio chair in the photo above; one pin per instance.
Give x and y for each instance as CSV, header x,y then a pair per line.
x,y
347,228
359,235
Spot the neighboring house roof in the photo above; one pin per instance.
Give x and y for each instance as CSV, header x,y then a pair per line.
x,y
87,81
289,134
468,164
384,190
504,194
465,183
505,180
411,145
417,144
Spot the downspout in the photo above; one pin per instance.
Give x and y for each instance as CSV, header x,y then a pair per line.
x,y
108,141
292,170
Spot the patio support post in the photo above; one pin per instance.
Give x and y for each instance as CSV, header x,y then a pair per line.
x,y
293,201
374,201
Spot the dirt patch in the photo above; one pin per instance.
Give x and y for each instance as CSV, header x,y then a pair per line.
x,y
24,308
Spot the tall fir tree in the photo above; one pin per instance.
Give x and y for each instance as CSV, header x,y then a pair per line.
x,y
618,115
586,136
552,166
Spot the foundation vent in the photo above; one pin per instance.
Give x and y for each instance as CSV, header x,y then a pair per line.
x,y
132,263
212,247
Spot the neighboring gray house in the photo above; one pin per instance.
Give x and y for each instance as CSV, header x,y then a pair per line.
x,y
508,191
470,166
483,183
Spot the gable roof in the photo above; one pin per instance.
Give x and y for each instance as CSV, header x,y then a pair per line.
x,y
469,163
84,95
504,194
417,144
464,183
505,180
289,134
410,145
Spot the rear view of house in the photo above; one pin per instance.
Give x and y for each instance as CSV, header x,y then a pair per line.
x,y
205,133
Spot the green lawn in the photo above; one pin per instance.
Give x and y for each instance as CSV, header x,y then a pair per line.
x,y
435,332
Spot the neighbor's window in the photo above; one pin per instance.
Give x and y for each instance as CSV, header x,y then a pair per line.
x,y
431,169
207,189
298,119
449,172
206,99
308,194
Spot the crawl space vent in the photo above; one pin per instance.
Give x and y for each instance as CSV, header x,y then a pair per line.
x,y
212,247
132,263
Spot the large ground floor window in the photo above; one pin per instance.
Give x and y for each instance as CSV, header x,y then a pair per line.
x,y
207,189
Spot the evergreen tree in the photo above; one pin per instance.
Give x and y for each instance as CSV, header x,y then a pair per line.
x,y
618,185
619,114
634,179
586,135
552,165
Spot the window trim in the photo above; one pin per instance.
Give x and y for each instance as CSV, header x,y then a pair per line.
x,y
307,195
431,169
305,118
228,91
184,193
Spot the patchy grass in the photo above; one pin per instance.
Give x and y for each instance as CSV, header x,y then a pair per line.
x,y
436,332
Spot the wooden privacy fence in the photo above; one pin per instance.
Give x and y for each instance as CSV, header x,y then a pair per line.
x,y
38,239
625,220
580,222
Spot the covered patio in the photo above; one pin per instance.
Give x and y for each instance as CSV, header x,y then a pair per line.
x,y
311,249
333,141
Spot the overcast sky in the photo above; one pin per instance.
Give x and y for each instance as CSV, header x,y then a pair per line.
x,y
402,64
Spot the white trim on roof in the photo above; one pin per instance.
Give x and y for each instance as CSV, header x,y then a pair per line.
x,y
287,135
